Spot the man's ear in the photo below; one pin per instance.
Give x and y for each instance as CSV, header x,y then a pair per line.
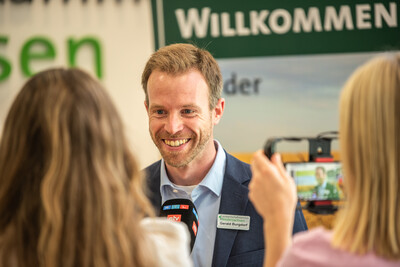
x,y
146,106
219,110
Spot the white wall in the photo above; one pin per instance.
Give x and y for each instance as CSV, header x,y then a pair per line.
x,y
125,32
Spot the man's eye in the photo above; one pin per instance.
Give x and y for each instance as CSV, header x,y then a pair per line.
x,y
160,112
187,111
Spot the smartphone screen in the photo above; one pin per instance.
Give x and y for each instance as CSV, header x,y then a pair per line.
x,y
317,180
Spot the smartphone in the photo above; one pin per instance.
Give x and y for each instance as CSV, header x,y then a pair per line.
x,y
317,180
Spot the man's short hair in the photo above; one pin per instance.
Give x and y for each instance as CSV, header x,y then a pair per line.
x,y
179,58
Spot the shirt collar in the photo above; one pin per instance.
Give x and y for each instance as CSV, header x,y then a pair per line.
x,y
214,178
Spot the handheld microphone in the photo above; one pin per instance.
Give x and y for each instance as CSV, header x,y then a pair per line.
x,y
182,210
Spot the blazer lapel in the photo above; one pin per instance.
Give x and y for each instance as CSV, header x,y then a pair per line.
x,y
153,182
234,198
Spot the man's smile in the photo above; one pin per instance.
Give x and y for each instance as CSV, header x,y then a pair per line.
x,y
175,143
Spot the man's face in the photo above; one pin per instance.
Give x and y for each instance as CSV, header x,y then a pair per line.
x,y
180,120
320,176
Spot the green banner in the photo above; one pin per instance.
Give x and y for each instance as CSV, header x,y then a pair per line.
x,y
254,28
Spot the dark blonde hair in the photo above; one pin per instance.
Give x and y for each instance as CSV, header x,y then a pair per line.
x,y
370,151
179,58
71,193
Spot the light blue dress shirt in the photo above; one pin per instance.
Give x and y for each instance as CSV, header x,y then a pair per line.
x,y
206,196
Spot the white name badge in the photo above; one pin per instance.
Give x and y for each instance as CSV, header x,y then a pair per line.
x,y
233,222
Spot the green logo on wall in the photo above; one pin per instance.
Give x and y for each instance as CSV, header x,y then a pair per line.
x,y
40,48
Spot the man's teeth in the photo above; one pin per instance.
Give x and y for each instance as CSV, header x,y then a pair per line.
x,y
176,143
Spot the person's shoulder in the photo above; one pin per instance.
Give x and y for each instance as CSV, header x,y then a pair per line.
x,y
152,170
309,248
316,236
311,241
313,248
170,240
153,166
233,161
162,226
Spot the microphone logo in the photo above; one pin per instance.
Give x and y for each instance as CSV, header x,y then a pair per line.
x,y
194,228
174,217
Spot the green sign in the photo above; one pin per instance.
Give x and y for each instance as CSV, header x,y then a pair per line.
x,y
237,28
40,48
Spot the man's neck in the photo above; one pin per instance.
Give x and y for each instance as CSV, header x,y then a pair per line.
x,y
196,170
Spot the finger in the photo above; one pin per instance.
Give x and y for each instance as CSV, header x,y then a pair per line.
x,y
277,160
257,158
260,162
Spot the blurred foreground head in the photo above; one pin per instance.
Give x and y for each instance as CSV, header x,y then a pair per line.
x,y
70,189
370,151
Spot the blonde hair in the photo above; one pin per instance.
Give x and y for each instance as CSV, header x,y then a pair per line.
x,y
179,58
370,146
71,191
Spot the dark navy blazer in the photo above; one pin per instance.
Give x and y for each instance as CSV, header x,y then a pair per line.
x,y
232,247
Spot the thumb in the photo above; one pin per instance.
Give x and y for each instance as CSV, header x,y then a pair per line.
x,y
277,161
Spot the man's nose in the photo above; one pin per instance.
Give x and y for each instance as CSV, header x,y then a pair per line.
x,y
174,123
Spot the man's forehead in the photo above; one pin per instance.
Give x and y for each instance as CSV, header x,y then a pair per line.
x,y
186,81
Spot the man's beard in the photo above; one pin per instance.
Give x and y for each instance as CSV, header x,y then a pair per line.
x,y
175,159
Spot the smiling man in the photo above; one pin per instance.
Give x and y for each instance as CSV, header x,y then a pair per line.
x,y
183,86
